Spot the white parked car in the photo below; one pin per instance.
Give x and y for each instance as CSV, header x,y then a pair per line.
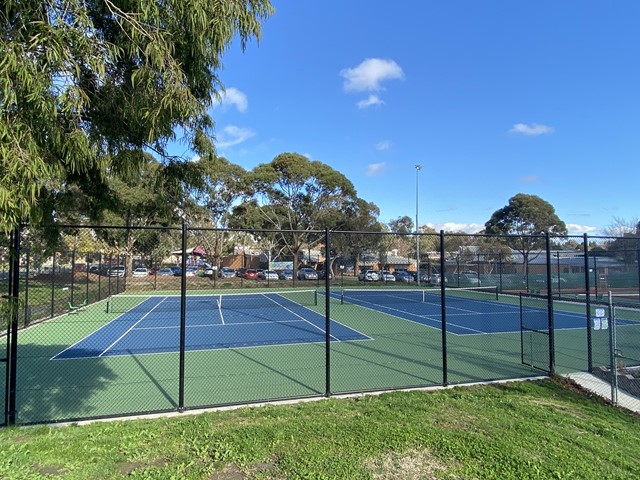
x,y
369,276
306,273
268,275
140,272
116,272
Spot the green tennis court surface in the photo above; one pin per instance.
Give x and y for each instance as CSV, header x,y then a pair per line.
x,y
385,351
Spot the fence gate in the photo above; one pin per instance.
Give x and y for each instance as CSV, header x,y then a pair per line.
x,y
534,332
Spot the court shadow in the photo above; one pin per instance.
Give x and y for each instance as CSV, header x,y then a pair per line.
x,y
53,391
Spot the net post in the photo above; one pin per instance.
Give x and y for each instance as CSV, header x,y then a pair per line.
x,y
315,298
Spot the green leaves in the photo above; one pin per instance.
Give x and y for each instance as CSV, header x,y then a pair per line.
x,y
82,82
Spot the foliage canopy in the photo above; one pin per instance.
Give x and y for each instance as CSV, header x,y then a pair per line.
x,y
85,86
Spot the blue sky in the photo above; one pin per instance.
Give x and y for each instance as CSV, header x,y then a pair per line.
x,y
492,98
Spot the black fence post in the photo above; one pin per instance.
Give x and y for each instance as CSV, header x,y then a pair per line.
x,y
73,275
53,284
183,314
14,276
587,291
443,296
552,355
327,315
26,289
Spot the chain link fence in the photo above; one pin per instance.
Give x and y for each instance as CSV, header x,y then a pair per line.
x,y
109,321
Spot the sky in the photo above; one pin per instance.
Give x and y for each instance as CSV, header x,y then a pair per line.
x,y
491,98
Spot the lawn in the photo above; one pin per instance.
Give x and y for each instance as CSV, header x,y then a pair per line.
x,y
524,430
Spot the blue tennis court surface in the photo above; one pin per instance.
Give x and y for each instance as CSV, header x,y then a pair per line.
x,y
152,325
465,315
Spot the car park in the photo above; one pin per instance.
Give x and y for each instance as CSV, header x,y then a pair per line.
x,y
140,272
307,273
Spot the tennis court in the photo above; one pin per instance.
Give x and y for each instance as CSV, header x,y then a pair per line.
x,y
469,311
146,324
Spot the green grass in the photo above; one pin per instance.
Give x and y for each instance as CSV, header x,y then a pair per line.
x,y
526,430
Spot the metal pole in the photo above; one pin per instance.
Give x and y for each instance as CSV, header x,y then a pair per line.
x,y
552,355
443,312
612,352
558,268
13,353
53,284
418,168
26,290
327,317
587,291
183,314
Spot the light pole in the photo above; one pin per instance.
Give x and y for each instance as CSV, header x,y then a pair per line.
x,y
418,168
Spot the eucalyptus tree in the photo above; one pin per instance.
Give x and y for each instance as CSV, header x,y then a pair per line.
x,y
526,219
221,184
295,195
85,86
143,203
359,231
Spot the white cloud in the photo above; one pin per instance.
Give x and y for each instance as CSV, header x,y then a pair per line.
x,y
574,229
369,102
369,74
374,169
232,97
232,135
384,145
457,227
533,129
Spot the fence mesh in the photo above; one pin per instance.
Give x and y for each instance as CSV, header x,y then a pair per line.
x,y
117,321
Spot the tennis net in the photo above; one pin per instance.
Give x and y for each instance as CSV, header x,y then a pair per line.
x,y
229,301
417,295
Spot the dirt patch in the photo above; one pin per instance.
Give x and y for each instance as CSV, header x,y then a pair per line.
x,y
414,464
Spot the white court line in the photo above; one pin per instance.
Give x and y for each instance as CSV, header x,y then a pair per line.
x,y
301,317
132,327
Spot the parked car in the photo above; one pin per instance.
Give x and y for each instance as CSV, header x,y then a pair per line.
x,y
386,276
140,272
403,276
285,274
240,272
177,271
306,273
251,274
164,272
470,277
436,279
268,275
191,272
117,271
369,276
226,272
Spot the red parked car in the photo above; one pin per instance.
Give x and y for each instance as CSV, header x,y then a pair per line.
x,y
251,274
